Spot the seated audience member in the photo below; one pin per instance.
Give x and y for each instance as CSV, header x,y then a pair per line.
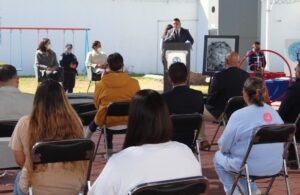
x,y
115,86
96,60
290,108
52,118
13,103
225,85
148,153
182,99
237,135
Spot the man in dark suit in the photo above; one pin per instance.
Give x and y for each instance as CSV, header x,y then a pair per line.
x,y
178,34
290,108
182,99
225,84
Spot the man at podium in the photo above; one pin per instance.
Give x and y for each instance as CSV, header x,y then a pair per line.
x,y
178,34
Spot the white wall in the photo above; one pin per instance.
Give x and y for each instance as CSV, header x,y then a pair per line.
x,y
131,27
202,29
283,25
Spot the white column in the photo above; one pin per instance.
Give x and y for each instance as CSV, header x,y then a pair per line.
x,y
202,29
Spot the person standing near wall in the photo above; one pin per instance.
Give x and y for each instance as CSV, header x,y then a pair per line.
x,y
163,37
256,61
69,63
46,64
96,62
178,34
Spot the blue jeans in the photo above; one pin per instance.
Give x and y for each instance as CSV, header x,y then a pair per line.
x,y
228,180
17,190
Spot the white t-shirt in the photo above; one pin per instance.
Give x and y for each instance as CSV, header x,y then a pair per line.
x,y
93,58
146,163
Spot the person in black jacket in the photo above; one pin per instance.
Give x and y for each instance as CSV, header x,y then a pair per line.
x,y
182,99
224,85
178,34
69,63
257,60
290,108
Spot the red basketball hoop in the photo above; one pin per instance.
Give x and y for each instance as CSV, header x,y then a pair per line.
x,y
278,54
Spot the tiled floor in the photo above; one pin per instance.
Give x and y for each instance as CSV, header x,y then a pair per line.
x,y
207,165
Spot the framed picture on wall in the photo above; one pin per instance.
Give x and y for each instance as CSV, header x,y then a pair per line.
x,y
216,47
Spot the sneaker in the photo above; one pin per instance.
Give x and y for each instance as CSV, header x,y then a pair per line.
x,y
88,133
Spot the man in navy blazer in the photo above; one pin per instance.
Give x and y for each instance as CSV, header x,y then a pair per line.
x,y
183,100
178,34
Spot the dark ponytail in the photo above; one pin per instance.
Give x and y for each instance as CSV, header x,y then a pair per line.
x,y
255,89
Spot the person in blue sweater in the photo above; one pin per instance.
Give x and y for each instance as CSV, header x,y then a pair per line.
x,y
237,136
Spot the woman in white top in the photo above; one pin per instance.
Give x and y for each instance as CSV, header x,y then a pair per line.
x,y
148,153
96,61
237,136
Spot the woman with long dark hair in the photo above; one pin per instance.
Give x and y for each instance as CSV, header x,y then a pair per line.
x,y
46,64
52,118
148,153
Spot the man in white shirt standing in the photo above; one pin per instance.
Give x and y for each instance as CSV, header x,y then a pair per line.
x,y
13,103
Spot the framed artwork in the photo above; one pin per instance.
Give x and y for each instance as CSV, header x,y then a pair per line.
x,y
215,50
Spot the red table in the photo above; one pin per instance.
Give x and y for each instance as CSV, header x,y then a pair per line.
x,y
269,75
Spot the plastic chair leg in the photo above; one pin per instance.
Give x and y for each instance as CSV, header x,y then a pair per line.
x,y
286,177
235,184
89,87
105,143
248,179
215,135
270,185
98,143
296,151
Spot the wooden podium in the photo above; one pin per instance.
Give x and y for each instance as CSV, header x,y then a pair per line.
x,y
175,52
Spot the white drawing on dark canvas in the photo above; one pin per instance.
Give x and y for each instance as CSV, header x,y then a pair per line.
x,y
216,54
